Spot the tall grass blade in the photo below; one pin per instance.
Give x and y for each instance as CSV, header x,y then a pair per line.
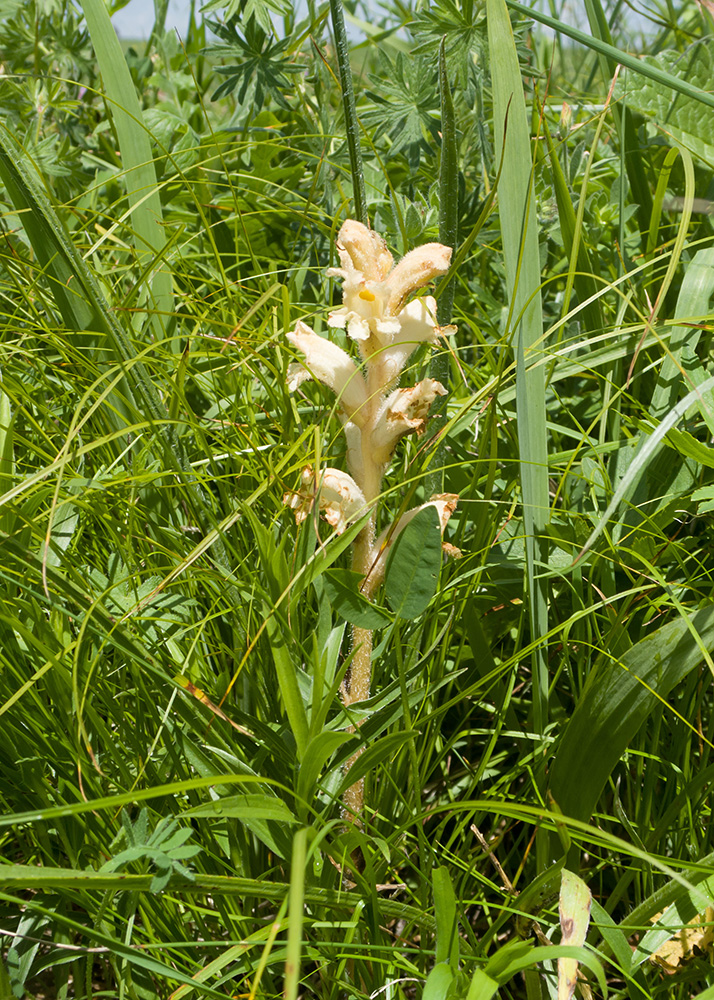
x,y
681,367
348,102
631,153
519,231
136,157
84,308
447,930
448,186
448,236
582,275
134,956
296,902
617,699
632,62
74,289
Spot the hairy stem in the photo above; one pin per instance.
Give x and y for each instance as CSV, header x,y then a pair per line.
x,y
357,684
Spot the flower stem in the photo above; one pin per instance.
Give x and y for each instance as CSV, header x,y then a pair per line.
x,y
358,682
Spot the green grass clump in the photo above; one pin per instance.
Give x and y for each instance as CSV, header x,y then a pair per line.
x,y
536,745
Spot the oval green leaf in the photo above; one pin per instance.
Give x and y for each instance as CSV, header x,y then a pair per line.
x,y
413,565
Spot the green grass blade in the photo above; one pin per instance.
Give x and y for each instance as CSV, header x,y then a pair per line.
x,y
582,278
136,156
84,308
631,154
448,236
617,55
296,903
348,102
519,231
77,294
134,956
693,303
644,456
616,701
447,932
448,186
285,669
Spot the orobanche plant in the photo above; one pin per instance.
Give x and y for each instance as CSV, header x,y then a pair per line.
x,y
387,327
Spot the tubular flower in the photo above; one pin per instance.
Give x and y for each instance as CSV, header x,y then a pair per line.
x,y
417,325
404,411
329,364
341,499
375,312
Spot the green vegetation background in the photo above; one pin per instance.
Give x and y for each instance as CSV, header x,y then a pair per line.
x,y
172,741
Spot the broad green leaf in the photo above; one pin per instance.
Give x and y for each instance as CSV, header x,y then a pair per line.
x,y
317,753
342,589
251,805
413,565
375,754
683,918
286,668
482,987
264,815
686,444
438,982
705,498
614,937
548,953
616,700
681,365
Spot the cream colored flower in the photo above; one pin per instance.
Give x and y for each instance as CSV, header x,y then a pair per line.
x,y
331,365
417,325
341,499
362,250
374,294
416,269
445,504
404,411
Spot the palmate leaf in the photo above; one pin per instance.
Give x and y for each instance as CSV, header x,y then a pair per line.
x,y
263,68
247,9
461,25
407,105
